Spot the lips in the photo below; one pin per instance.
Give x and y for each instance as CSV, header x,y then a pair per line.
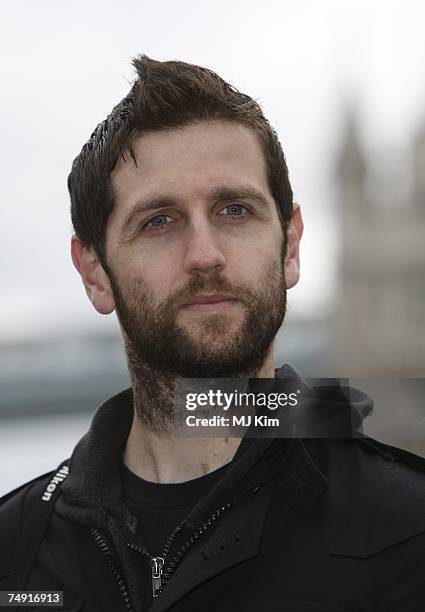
x,y
210,299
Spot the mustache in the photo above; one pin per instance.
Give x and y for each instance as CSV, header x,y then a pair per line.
x,y
214,284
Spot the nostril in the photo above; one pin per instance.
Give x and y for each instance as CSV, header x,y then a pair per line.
x,y
205,557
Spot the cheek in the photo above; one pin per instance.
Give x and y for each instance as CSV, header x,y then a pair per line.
x,y
264,249
157,277
250,266
145,269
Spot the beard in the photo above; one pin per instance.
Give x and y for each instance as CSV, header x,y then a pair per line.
x,y
160,347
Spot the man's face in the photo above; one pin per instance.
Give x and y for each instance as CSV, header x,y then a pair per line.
x,y
207,224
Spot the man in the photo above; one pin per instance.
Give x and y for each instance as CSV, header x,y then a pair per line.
x,y
185,226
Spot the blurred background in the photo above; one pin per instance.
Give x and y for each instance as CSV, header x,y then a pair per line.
x,y
343,83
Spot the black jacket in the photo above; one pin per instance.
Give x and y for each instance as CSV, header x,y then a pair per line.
x,y
313,525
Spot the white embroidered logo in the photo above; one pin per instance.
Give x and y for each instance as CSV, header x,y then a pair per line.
x,y
57,479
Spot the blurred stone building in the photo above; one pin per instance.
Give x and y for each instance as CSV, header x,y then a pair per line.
x,y
378,326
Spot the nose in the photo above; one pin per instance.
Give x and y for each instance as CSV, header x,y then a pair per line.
x,y
203,251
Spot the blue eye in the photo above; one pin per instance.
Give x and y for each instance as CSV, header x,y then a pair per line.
x,y
236,210
154,224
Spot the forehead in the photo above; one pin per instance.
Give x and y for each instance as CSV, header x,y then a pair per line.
x,y
188,161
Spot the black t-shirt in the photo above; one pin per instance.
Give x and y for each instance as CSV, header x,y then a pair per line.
x,y
159,508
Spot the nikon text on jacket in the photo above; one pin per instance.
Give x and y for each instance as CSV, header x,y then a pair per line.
x,y
57,479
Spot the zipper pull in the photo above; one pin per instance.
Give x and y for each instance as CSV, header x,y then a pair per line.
x,y
157,563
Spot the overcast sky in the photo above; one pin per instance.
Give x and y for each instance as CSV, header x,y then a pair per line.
x,y
65,64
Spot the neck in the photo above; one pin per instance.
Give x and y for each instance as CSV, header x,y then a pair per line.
x,y
153,451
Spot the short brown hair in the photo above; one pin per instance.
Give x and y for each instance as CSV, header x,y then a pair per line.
x,y
164,95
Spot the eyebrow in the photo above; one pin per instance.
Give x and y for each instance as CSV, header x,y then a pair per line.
x,y
216,195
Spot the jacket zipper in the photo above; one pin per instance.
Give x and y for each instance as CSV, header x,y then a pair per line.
x,y
161,576
101,542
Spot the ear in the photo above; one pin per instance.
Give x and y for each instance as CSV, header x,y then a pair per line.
x,y
95,279
292,259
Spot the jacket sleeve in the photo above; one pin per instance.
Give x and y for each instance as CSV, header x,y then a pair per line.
x,y
10,528
11,521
